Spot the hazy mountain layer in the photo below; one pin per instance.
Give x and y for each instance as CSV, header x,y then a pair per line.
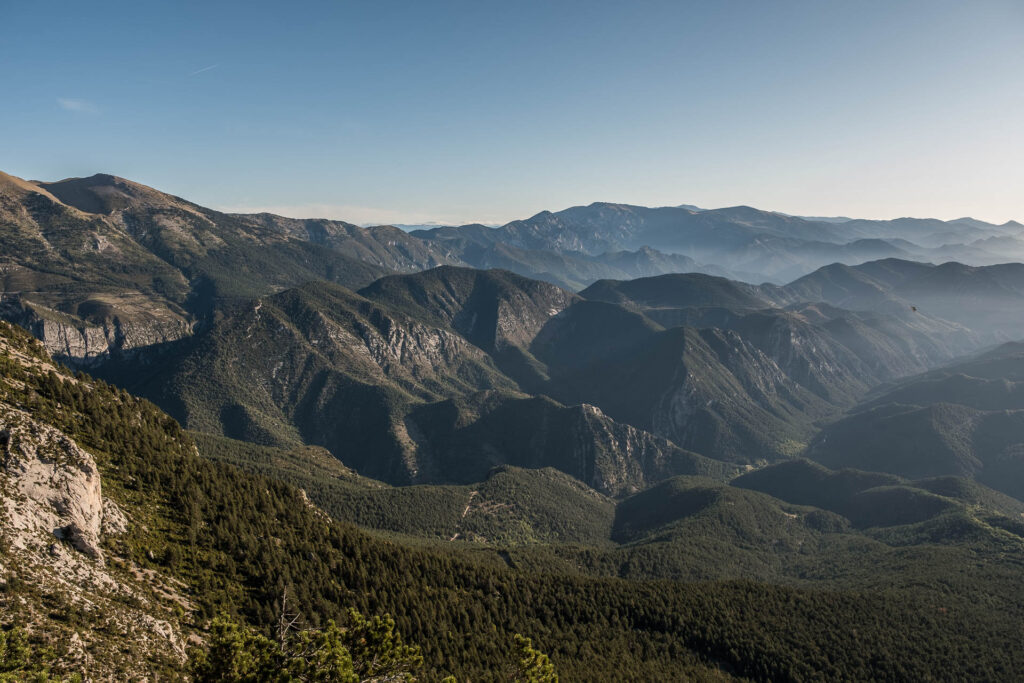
x,y
986,301
104,264
966,419
753,244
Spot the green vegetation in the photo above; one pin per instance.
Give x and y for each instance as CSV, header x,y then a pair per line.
x,y
243,539
557,442
961,421
935,440
533,666
362,650
22,660
512,506
870,499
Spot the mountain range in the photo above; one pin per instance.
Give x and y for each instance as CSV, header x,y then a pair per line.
x,y
653,439
133,266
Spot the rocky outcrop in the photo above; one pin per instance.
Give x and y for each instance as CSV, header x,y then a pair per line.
x,y
53,518
99,612
622,459
492,309
115,522
81,343
56,484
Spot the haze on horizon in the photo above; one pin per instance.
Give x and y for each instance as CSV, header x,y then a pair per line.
x,y
454,112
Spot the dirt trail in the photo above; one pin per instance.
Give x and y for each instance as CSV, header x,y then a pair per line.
x,y
469,504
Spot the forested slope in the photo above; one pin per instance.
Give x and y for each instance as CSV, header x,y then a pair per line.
x,y
236,541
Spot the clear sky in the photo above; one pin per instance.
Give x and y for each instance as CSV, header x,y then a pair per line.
x,y
379,111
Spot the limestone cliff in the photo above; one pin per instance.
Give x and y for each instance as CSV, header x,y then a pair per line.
x,y
85,342
56,484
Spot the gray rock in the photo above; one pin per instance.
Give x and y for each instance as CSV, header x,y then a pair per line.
x,y
115,522
59,482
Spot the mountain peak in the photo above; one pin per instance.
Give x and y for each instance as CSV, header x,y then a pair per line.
x,y
104,193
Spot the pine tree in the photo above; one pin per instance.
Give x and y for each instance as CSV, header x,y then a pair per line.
x,y
532,665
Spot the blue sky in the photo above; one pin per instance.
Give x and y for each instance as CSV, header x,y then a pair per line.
x,y
378,111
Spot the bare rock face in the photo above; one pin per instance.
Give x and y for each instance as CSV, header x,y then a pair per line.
x,y
522,314
115,522
83,343
623,458
55,483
